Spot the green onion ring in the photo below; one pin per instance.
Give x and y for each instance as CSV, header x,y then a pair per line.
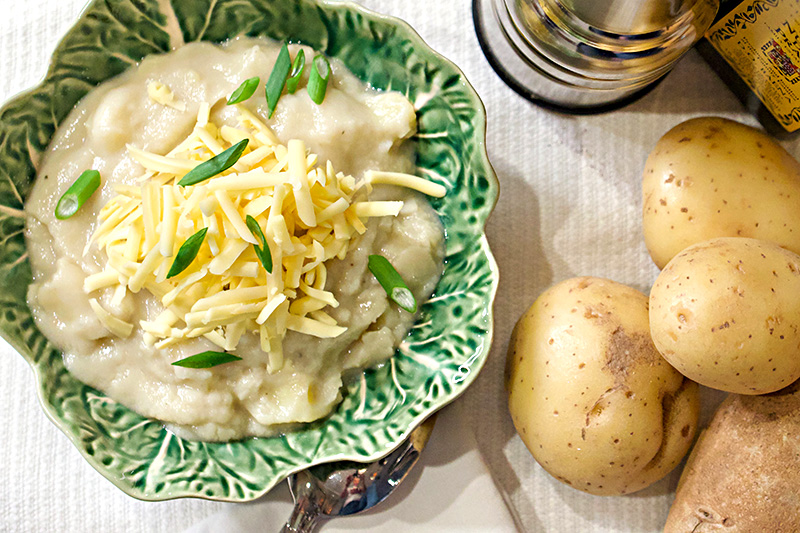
x,y
215,165
187,252
318,79
207,359
392,283
297,72
245,90
277,78
77,194
263,253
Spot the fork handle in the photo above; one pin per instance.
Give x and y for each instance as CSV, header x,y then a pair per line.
x,y
304,519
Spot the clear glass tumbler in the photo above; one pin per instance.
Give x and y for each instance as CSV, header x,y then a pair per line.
x,y
587,55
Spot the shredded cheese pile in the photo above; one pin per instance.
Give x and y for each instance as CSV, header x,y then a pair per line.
x,y
309,214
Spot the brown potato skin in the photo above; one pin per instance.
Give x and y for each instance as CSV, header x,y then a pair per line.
x,y
743,475
589,394
726,314
712,177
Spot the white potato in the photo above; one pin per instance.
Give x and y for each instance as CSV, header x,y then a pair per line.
x,y
592,399
711,177
726,314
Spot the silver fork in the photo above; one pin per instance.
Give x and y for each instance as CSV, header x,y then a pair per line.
x,y
344,488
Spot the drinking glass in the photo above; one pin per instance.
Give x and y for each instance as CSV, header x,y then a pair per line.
x,y
587,56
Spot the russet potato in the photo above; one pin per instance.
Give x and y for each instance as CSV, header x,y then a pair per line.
x,y
592,399
712,177
726,314
744,472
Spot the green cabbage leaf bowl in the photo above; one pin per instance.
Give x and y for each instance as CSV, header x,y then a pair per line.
x,y
444,351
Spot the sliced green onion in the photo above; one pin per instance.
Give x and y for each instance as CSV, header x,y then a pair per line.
x,y
262,252
318,79
215,165
297,72
392,283
207,359
77,194
245,91
187,253
277,78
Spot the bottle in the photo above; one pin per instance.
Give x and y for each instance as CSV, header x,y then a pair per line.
x,y
754,46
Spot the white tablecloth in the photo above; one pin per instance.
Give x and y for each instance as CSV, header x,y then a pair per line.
x,y
569,205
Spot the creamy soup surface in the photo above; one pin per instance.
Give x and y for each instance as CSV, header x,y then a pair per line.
x,y
355,128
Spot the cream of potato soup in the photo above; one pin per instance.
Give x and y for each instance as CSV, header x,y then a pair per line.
x,y
325,185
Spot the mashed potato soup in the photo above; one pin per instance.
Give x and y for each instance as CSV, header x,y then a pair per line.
x,y
265,262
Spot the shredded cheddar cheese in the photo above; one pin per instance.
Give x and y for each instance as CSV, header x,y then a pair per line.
x,y
309,214
161,94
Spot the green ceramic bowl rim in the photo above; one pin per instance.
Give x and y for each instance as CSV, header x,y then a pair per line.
x,y
473,371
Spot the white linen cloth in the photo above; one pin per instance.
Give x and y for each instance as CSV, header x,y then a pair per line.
x,y
569,205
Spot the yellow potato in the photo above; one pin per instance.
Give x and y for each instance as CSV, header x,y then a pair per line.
x,y
592,399
711,177
726,313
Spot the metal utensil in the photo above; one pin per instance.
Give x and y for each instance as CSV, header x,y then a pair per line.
x,y
344,488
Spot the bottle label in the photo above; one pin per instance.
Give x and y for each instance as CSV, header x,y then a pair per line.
x,y
760,39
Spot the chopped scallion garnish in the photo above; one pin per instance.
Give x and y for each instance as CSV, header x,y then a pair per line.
x,y
277,78
296,73
262,252
215,165
77,194
207,359
392,283
187,252
318,78
245,91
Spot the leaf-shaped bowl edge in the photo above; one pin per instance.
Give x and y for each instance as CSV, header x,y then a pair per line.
x,y
44,359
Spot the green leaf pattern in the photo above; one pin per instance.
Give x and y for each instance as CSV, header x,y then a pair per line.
x,y
433,365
